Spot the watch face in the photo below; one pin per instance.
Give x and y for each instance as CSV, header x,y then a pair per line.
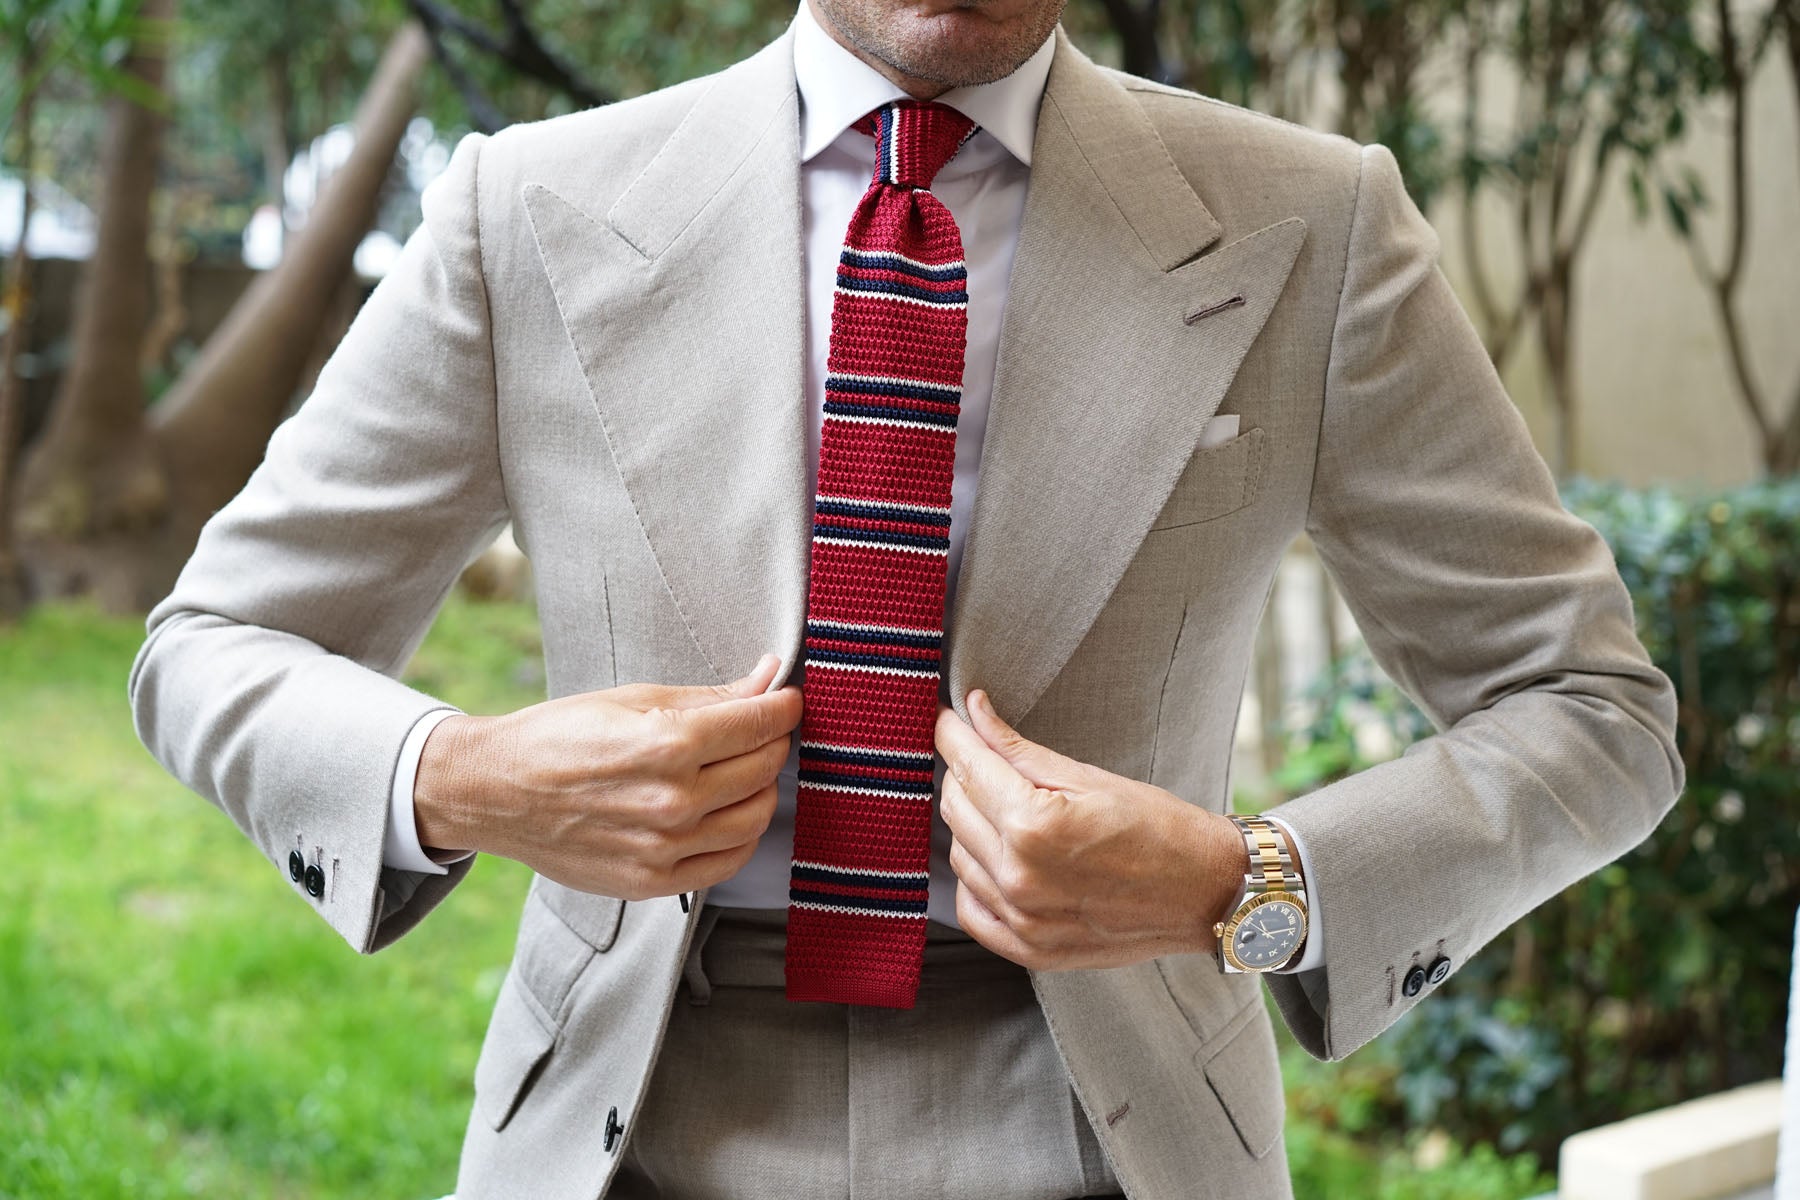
x,y
1267,934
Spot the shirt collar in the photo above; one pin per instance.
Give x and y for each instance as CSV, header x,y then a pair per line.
x,y
836,88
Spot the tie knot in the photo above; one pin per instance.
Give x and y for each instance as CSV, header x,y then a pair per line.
x,y
914,139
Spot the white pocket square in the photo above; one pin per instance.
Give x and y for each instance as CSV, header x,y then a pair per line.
x,y
1221,429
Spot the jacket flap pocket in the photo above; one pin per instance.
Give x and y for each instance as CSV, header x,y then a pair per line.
x,y
593,918
518,1039
1245,1074
1217,480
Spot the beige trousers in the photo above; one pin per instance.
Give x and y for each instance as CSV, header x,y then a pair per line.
x,y
753,1096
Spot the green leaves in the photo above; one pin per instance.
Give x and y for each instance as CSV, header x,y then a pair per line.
x,y
1663,975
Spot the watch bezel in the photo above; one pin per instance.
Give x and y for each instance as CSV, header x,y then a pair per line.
x,y
1228,932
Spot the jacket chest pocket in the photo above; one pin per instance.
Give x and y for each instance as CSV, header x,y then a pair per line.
x,y
1218,480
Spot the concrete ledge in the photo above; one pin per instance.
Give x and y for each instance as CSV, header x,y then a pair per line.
x,y
1706,1148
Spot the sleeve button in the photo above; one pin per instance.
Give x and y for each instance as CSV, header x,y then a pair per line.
x,y
1414,983
296,866
315,882
1439,969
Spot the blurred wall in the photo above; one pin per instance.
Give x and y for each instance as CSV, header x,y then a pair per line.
x,y
209,288
1655,389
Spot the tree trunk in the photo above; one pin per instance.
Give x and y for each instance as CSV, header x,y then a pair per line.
x,y
1788,16
1783,458
170,312
1267,670
215,422
209,431
93,474
16,302
1136,26
278,150
1556,319
1329,631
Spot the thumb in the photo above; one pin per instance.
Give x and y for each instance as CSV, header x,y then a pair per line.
x,y
753,683
1035,761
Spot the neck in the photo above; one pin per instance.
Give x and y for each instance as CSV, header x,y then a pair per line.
x,y
912,85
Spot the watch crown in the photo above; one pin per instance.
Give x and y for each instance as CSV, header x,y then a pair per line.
x,y
1218,929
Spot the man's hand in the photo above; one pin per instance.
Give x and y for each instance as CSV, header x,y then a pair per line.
x,y
635,791
1062,865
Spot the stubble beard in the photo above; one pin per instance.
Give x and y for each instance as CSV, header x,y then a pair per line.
x,y
877,33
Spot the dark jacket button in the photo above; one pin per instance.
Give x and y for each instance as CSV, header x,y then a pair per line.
x,y
315,882
1439,969
613,1128
296,866
1414,983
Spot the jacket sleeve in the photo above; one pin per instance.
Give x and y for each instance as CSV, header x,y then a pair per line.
x,y
268,680
1498,612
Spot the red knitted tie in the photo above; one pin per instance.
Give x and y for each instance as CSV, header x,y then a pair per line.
x,y
880,555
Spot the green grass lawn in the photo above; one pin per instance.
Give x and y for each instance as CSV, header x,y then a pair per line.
x,y
174,1023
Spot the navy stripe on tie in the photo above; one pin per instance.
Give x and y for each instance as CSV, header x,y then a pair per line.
x,y
879,260
853,408
877,511
923,541
850,283
917,787
853,658
854,878
884,139
895,389
919,641
877,905
866,758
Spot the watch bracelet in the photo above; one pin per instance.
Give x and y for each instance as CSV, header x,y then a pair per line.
x,y
1272,868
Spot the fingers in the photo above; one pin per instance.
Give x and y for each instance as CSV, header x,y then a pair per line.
x,y
989,914
987,779
980,923
975,877
731,727
740,823
968,826
728,780
706,869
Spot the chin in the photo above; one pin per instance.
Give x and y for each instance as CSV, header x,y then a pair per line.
x,y
961,52
953,46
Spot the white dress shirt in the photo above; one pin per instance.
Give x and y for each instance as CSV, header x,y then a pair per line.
x,y
983,186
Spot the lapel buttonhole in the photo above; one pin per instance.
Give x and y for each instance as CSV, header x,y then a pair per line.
x,y
1210,309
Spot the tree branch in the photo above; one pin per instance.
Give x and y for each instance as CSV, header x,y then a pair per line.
x,y
521,50
483,112
1136,28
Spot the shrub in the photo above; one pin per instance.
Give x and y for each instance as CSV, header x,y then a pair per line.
x,y
1663,975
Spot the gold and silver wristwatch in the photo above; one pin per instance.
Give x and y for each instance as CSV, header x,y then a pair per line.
x,y
1267,925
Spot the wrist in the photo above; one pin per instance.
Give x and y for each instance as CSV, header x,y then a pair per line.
x,y
448,788
1223,861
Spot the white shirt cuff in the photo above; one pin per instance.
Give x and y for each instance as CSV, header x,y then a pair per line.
x,y
401,848
1313,956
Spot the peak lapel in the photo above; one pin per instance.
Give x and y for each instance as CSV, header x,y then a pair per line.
x,y
1102,386
684,306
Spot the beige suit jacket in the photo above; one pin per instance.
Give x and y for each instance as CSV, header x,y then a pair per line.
x,y
597,334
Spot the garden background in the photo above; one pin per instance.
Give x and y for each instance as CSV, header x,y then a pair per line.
x,y
207,190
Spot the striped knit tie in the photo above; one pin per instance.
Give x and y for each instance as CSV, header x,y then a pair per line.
x,y
880,556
